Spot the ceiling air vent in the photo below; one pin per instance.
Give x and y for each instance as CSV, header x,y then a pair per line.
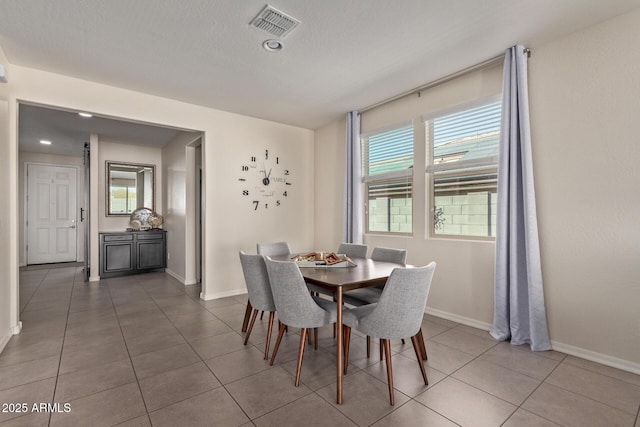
x,y
274,22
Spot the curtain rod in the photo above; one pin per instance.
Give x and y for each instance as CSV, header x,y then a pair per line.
x,y
440,81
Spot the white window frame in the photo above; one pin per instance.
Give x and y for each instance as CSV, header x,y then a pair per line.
x,y
489,163
388,177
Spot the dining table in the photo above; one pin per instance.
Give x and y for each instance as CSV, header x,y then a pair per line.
x,y
362,273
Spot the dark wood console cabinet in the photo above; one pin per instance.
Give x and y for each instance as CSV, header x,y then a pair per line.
x,y
132,252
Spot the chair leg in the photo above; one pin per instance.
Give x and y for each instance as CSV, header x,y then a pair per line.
x,y
422,347
247,314
368,346
346,339
253,320
275,349
266,347
309,338
417,347
387,355
335,328
381,345
262,314
400,340
315,338
303,336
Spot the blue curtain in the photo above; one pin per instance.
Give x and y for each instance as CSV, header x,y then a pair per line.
x,y
352,218
519,312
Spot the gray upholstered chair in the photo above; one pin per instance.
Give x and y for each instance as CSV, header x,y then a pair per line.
x,y
296,307
353,250
371,295
260,297
266,249
398,314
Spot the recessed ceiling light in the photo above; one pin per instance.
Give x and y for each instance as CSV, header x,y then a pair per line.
x,y
85,115
45,142
272,45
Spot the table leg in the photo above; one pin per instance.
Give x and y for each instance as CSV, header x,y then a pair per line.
x,y
340,345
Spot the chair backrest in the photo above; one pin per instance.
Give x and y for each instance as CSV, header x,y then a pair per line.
x,y
294,303
353,250
397,256
273,249
257,280
400,311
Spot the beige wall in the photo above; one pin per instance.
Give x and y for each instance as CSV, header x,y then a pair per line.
x,y
8,270
49,159
585,108
174,210
230,223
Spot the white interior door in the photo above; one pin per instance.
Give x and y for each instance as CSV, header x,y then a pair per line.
x,y
51,214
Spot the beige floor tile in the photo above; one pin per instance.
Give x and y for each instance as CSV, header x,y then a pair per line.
x,y
604,370
407,377
520,360
522,418
443,358
504,383
198,330
35,392
28,372
218,345
318,368
365,398
571,410
309,411
466,405
266,391
98,354
41,349
212,408
608,390
106,408
185,382
414,414
156,362
190,318
142,421
93,380
468,343
153,342
34,419
239,364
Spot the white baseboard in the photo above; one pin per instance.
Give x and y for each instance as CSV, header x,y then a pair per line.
x,y
604,359
94,278
459,319
15,330
175,275
216,295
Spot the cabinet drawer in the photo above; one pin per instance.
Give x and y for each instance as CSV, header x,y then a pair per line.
x,y
118,237
150,236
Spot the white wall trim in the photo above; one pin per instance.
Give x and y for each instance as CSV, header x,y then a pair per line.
x,y
216,295
15,330
459,319
604,359
94,278
175,275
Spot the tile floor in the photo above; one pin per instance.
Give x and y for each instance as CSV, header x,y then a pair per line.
x,y
144,350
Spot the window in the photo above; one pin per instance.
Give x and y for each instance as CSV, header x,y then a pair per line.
x,y
388,177
463,171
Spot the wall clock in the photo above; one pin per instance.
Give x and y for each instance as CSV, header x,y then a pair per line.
x,y
266,182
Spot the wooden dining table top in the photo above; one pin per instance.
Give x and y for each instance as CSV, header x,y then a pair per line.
x,y
365,273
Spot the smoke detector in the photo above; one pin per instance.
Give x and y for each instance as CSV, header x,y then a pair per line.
x,y
274,22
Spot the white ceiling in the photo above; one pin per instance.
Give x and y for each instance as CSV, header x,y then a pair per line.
x,y
345,54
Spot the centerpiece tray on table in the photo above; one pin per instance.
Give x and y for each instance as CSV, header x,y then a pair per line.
x,y
323,260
